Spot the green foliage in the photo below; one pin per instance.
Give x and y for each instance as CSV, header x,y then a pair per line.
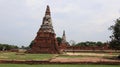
x,y
115,38
25,47
7,47
114,44
17,56
90,43
31,44
99,43
59,39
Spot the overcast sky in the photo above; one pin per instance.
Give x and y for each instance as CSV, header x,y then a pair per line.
x,y
83,20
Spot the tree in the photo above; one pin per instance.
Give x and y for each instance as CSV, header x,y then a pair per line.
x,y
90,43
31,44
59,39
115,37
99,43
72,43
7,47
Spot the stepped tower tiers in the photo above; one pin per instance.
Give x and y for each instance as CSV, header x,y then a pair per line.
x,y
45,41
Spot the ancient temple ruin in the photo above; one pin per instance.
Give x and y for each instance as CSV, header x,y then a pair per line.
x,y
64,44
45,41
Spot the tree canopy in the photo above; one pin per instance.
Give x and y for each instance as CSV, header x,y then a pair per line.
x,y
115,37
90,43
31,44
59,39
7,47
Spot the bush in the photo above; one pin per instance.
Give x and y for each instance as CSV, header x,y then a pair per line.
x,y
118,57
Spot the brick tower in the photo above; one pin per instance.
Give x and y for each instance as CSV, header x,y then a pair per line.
x,y
45,41
64,38
64,44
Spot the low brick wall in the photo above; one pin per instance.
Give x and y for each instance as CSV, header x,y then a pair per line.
x,y
88,48
49,62
25,62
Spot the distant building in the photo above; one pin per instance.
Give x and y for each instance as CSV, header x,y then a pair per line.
x,y
45,41
64,44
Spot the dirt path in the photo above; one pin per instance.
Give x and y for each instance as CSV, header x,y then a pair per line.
x,y
86,59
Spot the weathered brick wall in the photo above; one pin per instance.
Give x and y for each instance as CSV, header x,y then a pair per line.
x,y
105,47
45,43
49,62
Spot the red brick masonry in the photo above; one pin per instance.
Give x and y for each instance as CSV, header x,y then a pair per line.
x,y
59,62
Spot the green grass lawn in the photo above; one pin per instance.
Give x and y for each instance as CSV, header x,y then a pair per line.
x,y
23,56
16,56
55,65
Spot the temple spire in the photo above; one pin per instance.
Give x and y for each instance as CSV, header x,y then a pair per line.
x,y
47,22
45,41
64,33
64,37
47,10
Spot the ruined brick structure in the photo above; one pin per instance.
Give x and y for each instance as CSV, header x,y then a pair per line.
x,y
45,41
104,47
64,44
